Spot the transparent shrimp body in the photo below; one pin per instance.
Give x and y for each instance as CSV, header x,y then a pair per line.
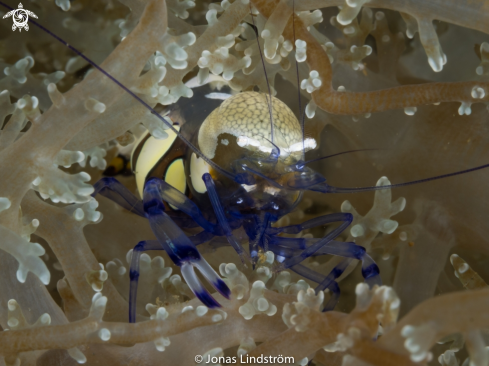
x,y
259,140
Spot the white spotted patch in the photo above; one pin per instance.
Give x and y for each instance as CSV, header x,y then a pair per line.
x,y
248,115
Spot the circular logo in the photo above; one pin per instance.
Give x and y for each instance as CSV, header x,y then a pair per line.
x,y
20,18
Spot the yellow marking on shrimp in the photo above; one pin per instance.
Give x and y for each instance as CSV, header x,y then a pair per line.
x,y
151,152
175,176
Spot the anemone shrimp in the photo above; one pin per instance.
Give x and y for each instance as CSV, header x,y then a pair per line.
x,y
259,193
253,171
269,157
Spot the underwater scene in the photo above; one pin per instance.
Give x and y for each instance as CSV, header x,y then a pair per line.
x,y
245,182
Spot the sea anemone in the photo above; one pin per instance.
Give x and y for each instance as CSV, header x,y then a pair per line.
x,y
385,92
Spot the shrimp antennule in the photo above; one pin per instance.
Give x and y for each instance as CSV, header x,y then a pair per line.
x,y
301,164
266,76
325,188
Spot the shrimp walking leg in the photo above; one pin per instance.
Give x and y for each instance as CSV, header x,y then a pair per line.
x,y
112,189
142,246
216,204
345,219
179,247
